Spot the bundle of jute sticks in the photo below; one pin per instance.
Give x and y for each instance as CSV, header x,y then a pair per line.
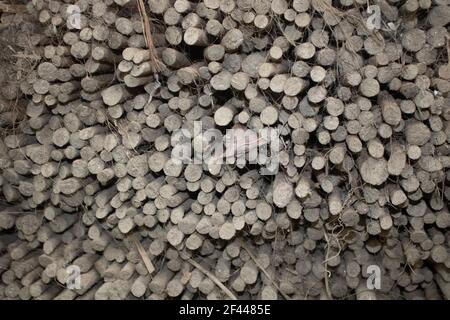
x,y
96,204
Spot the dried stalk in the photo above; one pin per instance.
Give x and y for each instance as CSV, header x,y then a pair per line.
x,y
156,63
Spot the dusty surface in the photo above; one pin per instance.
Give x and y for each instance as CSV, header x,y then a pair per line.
x,y
90,118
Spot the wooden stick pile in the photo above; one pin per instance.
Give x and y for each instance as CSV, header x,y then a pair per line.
x,y
89,178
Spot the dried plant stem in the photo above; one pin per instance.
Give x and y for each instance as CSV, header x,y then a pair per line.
x,y
156,64
213,279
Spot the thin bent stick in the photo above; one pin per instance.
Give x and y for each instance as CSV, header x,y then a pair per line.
x,y
213,278
327,285
285,296
148,264
156,64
